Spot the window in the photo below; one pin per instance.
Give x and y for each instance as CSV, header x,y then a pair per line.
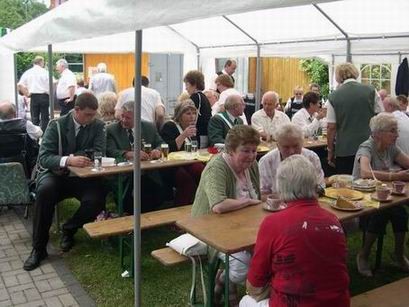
x,y
378,75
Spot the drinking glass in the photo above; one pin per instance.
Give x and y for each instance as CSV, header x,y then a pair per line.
x,y
97,161
147,148
188,147
194,147
164,148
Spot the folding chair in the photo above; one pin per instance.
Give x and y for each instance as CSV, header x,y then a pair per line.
x,y
14,186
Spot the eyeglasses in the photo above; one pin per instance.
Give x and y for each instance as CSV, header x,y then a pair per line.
x,y
393,130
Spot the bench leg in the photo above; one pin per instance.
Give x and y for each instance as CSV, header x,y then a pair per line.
x,y
226,280
214,263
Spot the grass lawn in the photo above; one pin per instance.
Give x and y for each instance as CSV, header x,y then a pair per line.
x,y
96,265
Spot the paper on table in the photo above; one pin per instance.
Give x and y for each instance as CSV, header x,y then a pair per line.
x,y
183,155
369,202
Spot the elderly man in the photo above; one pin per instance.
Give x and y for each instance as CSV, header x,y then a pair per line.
x,y
9,124
267,120
120,142
392,105
349,110
63,145
290,141
311,117
66,87
34,84
222,122
294,103
382,93
152,108
102,81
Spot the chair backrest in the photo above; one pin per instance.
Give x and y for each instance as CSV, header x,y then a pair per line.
x,y
13,184
13,148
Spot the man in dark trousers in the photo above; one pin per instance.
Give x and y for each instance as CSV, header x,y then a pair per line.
x,y
63,145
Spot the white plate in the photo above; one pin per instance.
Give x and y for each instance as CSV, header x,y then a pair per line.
x,y
124,163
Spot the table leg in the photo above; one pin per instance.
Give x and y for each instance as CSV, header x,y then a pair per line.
x,y
226,280
213,265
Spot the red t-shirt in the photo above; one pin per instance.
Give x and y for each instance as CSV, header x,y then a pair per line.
x,y
301,251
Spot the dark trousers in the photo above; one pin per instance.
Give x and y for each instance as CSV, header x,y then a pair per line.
x,y
65,107
187,179
344,165
39,110
53,189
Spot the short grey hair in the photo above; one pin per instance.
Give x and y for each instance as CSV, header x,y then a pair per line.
x,y
62,62
128,106
7,110
382,122
102,67
393,102
289,131
296,179
232,101
273,95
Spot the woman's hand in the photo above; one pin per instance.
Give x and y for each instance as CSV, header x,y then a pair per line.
x,y
189,131
402,175
253,202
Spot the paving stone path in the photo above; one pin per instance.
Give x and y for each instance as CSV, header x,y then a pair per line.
x,y
52,284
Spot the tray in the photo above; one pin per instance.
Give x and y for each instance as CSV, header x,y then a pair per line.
x,y
346,193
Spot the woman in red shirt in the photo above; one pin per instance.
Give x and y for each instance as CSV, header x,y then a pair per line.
x,y
300,254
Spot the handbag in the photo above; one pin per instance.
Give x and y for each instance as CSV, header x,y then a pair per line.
x,y
190,247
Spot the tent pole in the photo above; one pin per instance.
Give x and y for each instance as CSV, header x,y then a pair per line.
x,y
15,81
198,58
349,57
137,170
50,80
258,79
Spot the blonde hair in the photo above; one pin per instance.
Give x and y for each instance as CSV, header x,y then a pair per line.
x,y
107,102
346,71
182,107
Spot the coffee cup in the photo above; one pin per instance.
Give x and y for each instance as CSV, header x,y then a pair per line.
x,y
273,202
398,186
383,192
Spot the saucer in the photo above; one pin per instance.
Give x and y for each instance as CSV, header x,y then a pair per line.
x,y
124,163
399,194
271,209
375,197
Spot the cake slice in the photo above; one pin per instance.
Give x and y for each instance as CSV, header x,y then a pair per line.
x,y
344,203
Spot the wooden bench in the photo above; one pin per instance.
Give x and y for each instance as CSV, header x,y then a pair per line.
x,y
395,294
124,225
168,256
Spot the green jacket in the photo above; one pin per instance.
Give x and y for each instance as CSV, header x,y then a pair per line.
x,y
118,142
93,137
218,128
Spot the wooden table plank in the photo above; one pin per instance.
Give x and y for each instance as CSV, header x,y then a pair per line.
x,y
235,231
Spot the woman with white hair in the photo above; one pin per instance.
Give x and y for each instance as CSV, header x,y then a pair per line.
x,y
380,155
290,141
292,264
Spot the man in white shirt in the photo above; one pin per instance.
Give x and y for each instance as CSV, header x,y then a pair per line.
x,y
392,105
225,87
66,87
229,69
152,108
34,84
102,81
289,142
311,117
267,120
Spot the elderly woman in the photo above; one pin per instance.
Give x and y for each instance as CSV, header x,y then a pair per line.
x,y
292,264
230,182
290,141
107,102
349,110
176,133
294,103
380,155
194,84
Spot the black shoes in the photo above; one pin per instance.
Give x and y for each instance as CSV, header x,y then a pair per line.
x,y
35,258
67,241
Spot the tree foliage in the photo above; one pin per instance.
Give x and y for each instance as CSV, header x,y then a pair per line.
x,y
317,71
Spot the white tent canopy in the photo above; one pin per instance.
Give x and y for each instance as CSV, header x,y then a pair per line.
x,y
300,30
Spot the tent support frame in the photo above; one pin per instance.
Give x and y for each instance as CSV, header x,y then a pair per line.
x,y
348,57
16,81
189,41
50,80
137,169
258,65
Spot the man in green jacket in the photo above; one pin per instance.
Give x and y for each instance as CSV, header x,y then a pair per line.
x,y
222,122
64,144
120,141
